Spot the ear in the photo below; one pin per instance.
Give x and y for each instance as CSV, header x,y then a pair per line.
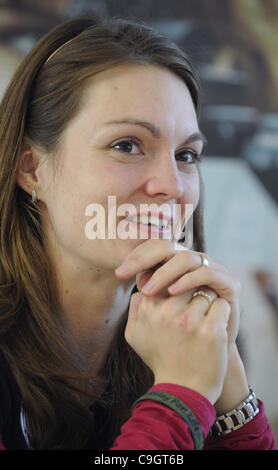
x,y
27,170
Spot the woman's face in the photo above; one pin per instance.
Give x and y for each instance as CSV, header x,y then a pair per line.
x,y
94,166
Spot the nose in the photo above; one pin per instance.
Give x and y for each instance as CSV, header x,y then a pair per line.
x,y
164,179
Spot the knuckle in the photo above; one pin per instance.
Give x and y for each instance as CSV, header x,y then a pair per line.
x,y
132,259
214,333
188,320
171,306
170,302
186,254
208,328
148,305
208,270
207,332
187,257
164,244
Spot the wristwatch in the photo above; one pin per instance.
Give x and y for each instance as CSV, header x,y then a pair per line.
x,y
236,418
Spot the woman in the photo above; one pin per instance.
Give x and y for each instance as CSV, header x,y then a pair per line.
x,y
77,348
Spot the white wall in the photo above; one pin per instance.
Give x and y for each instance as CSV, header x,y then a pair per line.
x,y
241,223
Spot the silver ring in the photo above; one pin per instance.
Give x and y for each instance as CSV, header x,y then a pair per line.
x,y
205,261
204,294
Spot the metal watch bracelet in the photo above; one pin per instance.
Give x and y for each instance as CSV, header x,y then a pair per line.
x,y
237,417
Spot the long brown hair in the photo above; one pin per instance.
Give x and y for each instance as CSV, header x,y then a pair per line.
x,y
38,104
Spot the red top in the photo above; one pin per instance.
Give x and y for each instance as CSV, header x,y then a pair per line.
x,y
154,426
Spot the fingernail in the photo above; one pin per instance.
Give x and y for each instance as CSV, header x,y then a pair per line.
x,y
148,287
174,287
124,269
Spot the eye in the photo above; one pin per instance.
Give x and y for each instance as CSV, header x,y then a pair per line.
x,y
189,156
126,145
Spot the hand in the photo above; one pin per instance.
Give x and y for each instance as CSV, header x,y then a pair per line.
x,y
182,344
235,387
163,263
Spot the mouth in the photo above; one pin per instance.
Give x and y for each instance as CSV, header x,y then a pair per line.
x,y
160,221
149,223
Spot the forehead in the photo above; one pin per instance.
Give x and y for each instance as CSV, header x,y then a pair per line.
x,y
147,91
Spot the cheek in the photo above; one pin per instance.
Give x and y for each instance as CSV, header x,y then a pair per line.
x,y
111,178
120,181
191,192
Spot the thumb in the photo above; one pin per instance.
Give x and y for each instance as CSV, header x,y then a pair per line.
x,y
134,303
135,300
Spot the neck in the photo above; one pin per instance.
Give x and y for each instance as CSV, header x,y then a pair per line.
x,y
93,302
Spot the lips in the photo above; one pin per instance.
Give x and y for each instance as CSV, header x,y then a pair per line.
x,y
153,218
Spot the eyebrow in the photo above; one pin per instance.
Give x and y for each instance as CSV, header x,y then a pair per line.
x,y
156,131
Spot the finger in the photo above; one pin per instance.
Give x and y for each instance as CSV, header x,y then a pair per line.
x,y
219,313
145,256
179,303
202,301
174,269
142,278
149,255
221,282
134,303
175,265
198,306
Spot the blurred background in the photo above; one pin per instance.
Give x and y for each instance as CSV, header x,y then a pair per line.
x,y
234,45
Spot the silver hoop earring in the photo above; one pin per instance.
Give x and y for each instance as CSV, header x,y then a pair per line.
x,y
34,196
